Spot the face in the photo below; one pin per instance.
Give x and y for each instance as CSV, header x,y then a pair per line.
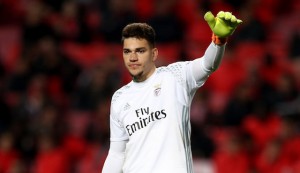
x,y
139,58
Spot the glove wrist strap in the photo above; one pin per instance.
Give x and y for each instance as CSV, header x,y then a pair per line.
x,y
219,41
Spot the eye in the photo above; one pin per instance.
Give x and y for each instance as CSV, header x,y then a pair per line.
x,y
126,51
141,51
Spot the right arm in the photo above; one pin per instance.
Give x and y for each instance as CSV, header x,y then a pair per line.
x,y
118,140
115,158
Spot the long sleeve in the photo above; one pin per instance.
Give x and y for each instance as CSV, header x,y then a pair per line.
x,y
204,66
115,158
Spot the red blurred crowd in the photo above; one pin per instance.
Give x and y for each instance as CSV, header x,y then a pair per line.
x,y
61,61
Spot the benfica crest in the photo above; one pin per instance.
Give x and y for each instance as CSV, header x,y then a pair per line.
x,y
157,90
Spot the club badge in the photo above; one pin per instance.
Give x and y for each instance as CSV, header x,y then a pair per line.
x,y
157,89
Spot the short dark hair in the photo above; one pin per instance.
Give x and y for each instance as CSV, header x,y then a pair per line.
x,y
140,31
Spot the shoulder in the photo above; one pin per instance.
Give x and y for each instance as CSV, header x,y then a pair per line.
x,y
120,92
177,70
174,67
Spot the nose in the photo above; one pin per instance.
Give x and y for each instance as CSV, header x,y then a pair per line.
x,y
133,57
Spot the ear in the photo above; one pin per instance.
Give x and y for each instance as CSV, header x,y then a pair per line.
x,y
154,54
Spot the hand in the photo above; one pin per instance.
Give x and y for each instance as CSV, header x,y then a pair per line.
x,y
223,25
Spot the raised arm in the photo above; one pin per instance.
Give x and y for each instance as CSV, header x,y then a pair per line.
x,y
222,26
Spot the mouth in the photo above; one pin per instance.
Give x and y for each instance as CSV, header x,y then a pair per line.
x,y
133,66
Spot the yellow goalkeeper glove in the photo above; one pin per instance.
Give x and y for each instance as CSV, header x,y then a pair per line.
x,y
223,25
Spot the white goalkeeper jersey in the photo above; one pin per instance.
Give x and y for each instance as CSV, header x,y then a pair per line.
x,y
154,116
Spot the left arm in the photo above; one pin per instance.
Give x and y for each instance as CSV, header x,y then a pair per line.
x,y
202,67
222,27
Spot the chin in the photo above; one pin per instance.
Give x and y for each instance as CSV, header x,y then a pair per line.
x,y
137,75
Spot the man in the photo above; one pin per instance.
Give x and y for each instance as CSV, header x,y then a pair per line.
x,y
149,121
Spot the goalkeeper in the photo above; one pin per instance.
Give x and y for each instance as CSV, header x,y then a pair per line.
x,y
150,116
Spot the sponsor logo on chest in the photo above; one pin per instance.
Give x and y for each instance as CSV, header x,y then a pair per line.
x,y
144,117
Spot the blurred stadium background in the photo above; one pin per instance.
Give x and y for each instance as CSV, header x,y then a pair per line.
x,y
61,60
